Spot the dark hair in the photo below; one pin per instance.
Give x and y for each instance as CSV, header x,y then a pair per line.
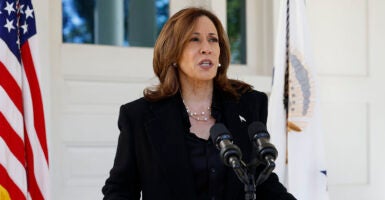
x,y
168,50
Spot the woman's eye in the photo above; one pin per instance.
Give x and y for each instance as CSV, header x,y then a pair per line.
x,y
194,39
213,39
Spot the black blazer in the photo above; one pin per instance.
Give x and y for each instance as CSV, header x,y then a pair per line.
x,y
152,158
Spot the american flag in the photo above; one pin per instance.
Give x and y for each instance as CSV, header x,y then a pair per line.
x,y
23,144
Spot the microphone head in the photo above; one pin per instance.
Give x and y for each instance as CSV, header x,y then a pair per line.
x,y
219,131
257,130
230,153
260,137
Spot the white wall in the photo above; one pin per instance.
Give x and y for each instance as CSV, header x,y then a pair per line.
x,y
83,86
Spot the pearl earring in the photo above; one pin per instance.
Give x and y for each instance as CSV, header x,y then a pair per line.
x,y
219,65
174,65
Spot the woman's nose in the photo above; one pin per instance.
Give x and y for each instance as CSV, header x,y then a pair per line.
x,y
206,51
206,48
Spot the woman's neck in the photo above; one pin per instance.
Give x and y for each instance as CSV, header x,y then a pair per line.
x,y
197,94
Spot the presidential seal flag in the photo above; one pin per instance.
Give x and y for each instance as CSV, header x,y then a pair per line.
x,y
23,143
294,108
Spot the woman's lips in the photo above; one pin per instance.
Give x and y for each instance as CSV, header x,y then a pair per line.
x,y
206,63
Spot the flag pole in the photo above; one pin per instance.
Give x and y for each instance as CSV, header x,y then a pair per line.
x,y
286,87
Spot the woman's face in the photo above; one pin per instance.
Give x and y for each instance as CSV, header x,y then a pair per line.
x,y
200,56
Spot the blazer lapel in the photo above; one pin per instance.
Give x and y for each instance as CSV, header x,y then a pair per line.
x,y
166,133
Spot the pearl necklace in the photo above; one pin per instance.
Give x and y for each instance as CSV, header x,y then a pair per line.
x,y
199,116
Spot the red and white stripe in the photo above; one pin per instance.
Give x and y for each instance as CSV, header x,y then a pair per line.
x,y
12,154
36,145
24,168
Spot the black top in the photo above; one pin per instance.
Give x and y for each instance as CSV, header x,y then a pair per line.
x,y
208,170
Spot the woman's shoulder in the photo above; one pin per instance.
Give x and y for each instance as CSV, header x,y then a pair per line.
x,y
135,106
136,102
254,95
244,90
142,104
133,111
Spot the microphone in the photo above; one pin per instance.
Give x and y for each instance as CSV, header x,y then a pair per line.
x,y
266,152
230,153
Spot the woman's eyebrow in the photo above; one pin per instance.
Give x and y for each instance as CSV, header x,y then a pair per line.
x,y
211,34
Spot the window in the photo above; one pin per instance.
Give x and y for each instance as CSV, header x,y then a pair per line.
x,y
124,23
117,22
236,29
249,24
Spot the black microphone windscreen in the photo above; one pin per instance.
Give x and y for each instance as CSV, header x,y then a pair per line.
x,y
256,127
217,130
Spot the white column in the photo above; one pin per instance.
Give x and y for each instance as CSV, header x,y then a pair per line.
x,y
142,23
109,22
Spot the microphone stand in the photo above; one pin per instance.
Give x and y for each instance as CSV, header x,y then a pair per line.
x,y
270,165
248,179
245,177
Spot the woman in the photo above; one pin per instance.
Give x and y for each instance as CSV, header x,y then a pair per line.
x,y
164,150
